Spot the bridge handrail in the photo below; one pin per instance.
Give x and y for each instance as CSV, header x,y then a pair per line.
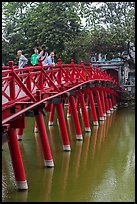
x,y
58,78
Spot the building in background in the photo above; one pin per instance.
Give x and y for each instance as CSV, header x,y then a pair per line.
x,y
116,67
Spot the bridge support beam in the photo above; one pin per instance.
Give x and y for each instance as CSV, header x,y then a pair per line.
x,y
84,113
63,128
76,122
16,158
51,115
100,110
48,161
93,109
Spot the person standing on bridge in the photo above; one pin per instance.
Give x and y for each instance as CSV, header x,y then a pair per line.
x,y
50,59
34,57
22,59
43,55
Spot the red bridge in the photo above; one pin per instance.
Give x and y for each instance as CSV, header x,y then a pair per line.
x,y
44,89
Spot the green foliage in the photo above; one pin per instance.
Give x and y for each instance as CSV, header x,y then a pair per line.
x,y
27,24
112,27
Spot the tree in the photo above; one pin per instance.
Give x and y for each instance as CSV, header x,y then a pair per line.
x,y
13,28
114,24
32,24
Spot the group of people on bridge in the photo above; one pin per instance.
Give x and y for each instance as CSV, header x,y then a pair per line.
x,y
34,59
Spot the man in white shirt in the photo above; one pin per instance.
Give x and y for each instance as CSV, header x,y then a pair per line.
x,y
22,59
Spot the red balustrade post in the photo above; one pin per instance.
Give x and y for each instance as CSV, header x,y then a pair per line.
x,y
83,69
72,62
63,128
72,65
28,82
93,109
12,82
84,113
101,115
41,76
48,161
51,115
59,61
59,76
75,118
16,158
91,70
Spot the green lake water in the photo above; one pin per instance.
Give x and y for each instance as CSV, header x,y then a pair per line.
x,y
101,168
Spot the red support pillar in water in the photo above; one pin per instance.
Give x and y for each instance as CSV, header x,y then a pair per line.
x,y
84,113
77,103
107,102
20,133
87,102
113,101
20,124
51,115
12,81
16,158
110,102
68,110
100,110
103,102
93,109
115,97
63,128
48,161
36,128
75,118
